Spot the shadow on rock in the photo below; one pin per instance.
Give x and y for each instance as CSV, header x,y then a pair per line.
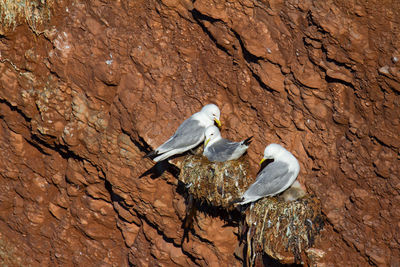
x,y
159,168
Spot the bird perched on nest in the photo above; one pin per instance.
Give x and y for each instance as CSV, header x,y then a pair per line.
x,y
219,149
189,134
276,177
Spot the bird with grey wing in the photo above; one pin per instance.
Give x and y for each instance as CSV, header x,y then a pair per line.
x,y
189,134
219,149
276,177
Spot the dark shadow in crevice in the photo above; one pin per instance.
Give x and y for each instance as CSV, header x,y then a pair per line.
x,y
199,17
311,22
37,146
373,137
114,197
159,167
140,143
270,262
333,80
249,57
16,109
64,152
260,82
38,143
337,63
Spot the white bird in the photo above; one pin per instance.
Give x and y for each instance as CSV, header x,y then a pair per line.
x,y
219,149
189,134
276,177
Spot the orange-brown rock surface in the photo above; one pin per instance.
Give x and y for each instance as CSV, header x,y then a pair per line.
x,y
84,94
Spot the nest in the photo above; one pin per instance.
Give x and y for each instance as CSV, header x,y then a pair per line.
x,y
283,230
215,183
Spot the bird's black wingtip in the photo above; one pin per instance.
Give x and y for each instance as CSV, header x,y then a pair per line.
x,y
152,154
248,141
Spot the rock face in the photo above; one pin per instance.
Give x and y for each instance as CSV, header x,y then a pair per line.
x,y
86,93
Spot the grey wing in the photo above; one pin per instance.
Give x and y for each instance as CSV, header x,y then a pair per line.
x,y
271,180
189,133
222,150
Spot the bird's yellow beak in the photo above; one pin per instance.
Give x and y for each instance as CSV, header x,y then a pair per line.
x,y
262,160
218,122
208,140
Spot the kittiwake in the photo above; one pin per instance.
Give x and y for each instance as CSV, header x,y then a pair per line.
x,y
276,177
219,149
189,134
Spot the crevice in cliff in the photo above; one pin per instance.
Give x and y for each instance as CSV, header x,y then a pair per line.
x,y
61,149
340,65
31,138
16,109
380,142
337,63
113,196
198,17
334,80
249,57
38,147
38,143
140,143
312,22
260,82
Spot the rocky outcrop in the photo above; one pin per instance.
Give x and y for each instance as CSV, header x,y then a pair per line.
x,y
85,94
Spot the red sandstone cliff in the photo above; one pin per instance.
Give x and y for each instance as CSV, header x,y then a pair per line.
x,y
83,94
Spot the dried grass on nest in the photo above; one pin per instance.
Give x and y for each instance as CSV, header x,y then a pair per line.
x,y
34,12
215,183
281,229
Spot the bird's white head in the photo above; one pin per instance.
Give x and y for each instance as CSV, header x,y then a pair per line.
x,y
213,112
211,133
272,151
